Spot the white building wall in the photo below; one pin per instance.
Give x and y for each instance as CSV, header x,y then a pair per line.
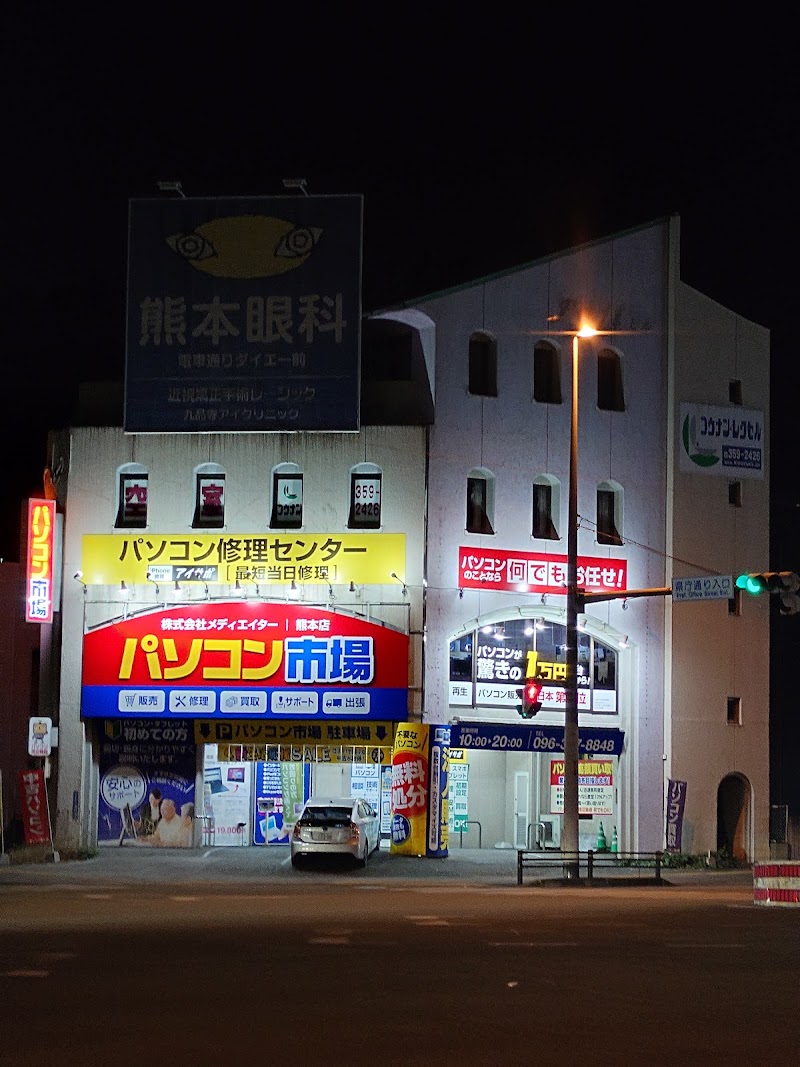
x,y
93,458
622,281
716,655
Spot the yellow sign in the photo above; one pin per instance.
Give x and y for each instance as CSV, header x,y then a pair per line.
x,y
305,754
293,732
275,558
410,789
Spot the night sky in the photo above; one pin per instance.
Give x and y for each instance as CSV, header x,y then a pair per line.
x,y
477,146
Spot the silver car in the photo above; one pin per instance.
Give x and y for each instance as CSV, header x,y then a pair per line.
x,y
336,825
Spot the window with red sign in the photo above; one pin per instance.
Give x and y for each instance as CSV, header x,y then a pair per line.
x,y
209,499
132,489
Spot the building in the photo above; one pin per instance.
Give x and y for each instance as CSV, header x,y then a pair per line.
x,y
464,444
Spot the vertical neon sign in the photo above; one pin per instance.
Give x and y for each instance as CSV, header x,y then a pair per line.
x,y
39,561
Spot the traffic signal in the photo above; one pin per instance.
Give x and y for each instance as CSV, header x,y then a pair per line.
x,y
785,583
531,698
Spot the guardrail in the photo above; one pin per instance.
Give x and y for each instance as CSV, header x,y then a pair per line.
x,y
646,864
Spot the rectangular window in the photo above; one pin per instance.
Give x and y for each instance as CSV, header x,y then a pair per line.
x,y
478,506
209,503
735,392
735,711
542,512
287,502
482,365
365,502
132,506
607,532
735,494
735,603
610,396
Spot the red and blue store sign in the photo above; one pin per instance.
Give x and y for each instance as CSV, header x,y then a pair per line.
x,y
243,659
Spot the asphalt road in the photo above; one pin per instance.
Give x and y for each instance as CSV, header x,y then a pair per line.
x,y
331,967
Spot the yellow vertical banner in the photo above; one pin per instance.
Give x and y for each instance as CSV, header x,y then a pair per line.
x,y
410,789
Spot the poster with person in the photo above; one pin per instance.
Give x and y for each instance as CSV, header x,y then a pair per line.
x,y
147,776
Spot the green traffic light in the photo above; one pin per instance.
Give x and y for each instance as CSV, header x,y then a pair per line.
x,y
753,583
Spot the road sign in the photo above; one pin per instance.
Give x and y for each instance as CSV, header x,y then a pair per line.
x,y
706,587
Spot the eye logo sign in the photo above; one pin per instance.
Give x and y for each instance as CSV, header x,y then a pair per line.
x,y
703,457
246,246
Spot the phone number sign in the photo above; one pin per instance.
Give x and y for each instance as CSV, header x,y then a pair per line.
x,y
500,737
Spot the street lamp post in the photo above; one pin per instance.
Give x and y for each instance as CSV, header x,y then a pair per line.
x,y
570,839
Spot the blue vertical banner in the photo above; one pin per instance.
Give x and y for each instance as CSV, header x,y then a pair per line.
x,y
438,802
243,314
279,790
676,801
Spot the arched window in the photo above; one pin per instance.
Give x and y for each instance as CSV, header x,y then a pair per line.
x,y
610,395
131,496
365,497
546,373
287,497
480,501
209,497
482,364
609,513
546,504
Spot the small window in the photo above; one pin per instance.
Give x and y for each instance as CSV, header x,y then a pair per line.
x,y
735,603
287,497
546,373
365,497
480,502
545,501
482,365
735,392
610,396
131,497
209,497
735,494
609,514
735,711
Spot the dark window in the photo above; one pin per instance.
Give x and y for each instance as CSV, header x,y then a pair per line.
x,y
735,711
287,501
365,501
543,512
607,532
735,603
132,503
209,501
546,374
735,494
610,396
482,365
478,506
735,392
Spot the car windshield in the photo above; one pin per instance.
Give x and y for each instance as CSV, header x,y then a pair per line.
x,y
332,816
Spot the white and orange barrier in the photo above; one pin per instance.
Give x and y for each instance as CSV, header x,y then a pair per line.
x,y
776,883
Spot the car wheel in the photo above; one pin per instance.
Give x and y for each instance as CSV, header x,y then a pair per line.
x,y
361,861
296,862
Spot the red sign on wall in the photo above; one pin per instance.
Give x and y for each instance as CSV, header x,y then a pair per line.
x,y
33,801
39,561
533,572
251,658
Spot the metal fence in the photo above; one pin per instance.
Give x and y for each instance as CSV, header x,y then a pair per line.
x,y
591,864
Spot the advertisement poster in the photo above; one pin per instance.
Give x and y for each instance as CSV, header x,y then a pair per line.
x,y
147,776
532,572
365,782
458,789
245,659
676,801
386,801
280,791
243,313
410,789
595,787
33,803
227,798
726,442
439,798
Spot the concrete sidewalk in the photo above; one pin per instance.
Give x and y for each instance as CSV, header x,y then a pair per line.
x,y
485,867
